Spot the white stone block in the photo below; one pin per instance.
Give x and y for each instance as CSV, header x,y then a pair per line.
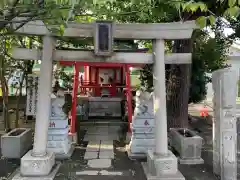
x,y
143,136
145,122
141,142
56,150
60,118
162,164
141,149
141,130
58,131
37,166
58,124
58,144
59,137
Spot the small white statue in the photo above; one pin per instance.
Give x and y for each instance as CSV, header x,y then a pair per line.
x,y
144,103
57,104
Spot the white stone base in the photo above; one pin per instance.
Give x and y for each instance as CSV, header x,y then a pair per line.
x,y
134,156
37,166
65,156
17,175
162,167
191,161
176,176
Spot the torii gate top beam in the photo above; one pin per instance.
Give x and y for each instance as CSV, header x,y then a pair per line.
x,y
176,30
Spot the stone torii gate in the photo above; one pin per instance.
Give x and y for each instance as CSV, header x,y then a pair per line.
x,y
162,164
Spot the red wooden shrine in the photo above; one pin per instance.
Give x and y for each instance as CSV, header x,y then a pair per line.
x,y
94,82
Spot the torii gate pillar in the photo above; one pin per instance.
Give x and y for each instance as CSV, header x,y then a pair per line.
x,y
161,163
39,162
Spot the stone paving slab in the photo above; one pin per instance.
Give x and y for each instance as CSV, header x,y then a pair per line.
x,y
91,155
106,155
100,163
93,146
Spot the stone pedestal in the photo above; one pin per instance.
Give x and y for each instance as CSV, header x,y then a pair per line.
x,y
224,123
58,139
162,167
142,126
35,168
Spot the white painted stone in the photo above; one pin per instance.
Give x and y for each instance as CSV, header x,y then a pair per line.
x,y
90,155
100,163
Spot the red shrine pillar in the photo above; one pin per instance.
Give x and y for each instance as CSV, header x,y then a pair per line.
x,y
85,74
129,96
74,99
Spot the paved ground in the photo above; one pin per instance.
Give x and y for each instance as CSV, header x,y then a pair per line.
x,y
120,166
113,164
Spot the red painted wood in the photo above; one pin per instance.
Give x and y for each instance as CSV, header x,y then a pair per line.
x,y
74,99
129,96
98,64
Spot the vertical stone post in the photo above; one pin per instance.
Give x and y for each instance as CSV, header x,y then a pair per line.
x,y
160,109
39,162
44,99
224,123
161,163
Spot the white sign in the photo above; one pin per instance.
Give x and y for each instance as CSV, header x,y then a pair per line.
x,y
32,94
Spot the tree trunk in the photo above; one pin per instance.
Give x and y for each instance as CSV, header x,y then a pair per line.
x,y
178,84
